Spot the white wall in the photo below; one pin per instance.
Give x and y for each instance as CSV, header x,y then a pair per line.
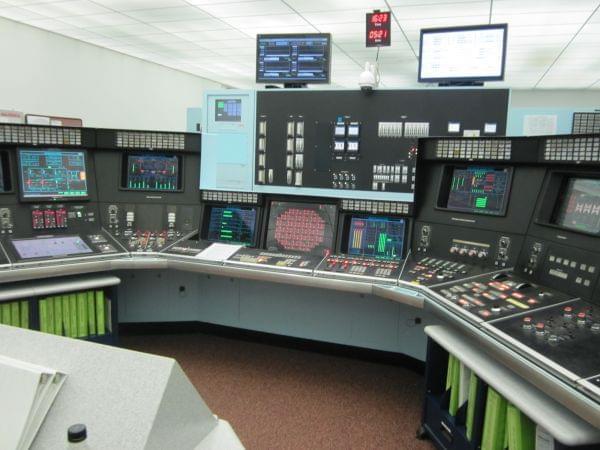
x,y
45,73
555,98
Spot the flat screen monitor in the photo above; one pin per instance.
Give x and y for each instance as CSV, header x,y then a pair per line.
x,y
301,227
230,223
293,58
376,236
228,110
471,53
50,174
50,247
475,189
150,172
579,207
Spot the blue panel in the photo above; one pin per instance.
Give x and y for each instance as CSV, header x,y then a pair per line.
x,y
227,161
193,118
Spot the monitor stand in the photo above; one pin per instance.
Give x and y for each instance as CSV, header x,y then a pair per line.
x,y
294,85
461,84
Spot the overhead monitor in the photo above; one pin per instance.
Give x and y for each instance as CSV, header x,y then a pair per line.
x,y
475,189
52,174
151,172
230,223
579,206
375,236
50,247
293,58
301,227
463,54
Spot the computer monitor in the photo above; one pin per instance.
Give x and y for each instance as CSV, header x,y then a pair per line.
x,y
475,189
293,59
578,208
52,174
380,237
463,54
233,224
151,172
301,227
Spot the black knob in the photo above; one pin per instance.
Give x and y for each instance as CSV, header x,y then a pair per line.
x,y
77,433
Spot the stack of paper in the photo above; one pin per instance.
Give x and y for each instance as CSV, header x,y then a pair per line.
x,y
27,392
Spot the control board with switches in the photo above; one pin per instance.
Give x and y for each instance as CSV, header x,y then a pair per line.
x,y
149,228
490,297
360,268
295,262
566,337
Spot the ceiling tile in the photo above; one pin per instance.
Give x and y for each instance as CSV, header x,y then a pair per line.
x,y
214,35
190,25
19,14
49,24
98,20
125,30
69,8
133,5
274,20
168,14
254,8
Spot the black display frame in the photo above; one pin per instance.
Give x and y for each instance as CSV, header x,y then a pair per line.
x,y
553,195
296,80
446,179
59,199
205,220
299,200
459,29
7,175
124,165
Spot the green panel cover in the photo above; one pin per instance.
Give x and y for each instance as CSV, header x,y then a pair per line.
x,y
25,314
91,303
100,312
82,319
494,424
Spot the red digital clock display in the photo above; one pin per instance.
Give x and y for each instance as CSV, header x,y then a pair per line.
x,y
378,29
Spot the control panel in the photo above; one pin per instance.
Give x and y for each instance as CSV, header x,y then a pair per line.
x,y
567,336
361,146
490,297
360,268
274,260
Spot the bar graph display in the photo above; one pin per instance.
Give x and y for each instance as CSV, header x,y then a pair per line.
x,y
375,236
232,224
580,210
479,190
52,173
153,173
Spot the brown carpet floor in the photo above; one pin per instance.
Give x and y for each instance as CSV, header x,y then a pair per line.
x,y
280,398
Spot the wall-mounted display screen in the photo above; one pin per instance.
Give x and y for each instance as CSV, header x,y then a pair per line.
x,y
579,208
50,247
228,110
293,58
52,174
232,224
475,189
376,236
301,227
472,53
149,172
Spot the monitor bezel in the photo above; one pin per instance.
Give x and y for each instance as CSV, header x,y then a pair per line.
x,y
317,201
207,209
443,192
502,26
125,164
345,234
59,199
291,36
